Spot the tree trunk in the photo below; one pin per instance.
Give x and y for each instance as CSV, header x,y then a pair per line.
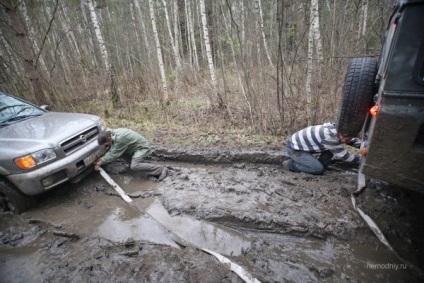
x,y
261,22
70,33
26,55
198,13
209,54
243,30
363,19
194,59
174,41
144,32
280,65
114,89
90,45
158,51
309,67
176,47
237,69
36,47
316,30
188,34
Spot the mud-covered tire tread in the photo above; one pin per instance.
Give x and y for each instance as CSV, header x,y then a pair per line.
x,y
357,95
20,202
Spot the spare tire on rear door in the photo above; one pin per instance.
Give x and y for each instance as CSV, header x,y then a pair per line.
x,y
357,95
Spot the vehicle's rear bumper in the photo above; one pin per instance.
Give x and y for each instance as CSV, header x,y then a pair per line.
x,y
396,149
51,175
395,178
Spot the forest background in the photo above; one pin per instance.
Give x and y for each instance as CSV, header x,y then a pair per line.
x,y
189,72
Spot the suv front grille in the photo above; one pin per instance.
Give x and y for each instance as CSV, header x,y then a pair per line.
x,y
79,140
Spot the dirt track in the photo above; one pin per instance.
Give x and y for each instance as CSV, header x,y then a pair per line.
x,y
279,226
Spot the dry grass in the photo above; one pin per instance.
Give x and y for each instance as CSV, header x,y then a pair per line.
x,y
192,118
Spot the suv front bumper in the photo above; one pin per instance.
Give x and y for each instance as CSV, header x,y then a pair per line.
x,y
57,172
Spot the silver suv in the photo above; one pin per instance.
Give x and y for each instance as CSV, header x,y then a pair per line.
x,y
40,149
384,100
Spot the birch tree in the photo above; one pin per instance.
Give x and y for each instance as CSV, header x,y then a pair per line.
x,y
69,32
261,23
243,40
198,14
103,50
174,41
89,41
314,39
143,29
27,57
243,30
316,30
363,19
32,34
194,60
309,67
176,47
233,52
158,51
280,64
209,53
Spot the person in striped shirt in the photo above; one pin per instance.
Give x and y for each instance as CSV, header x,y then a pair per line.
x,y
323,141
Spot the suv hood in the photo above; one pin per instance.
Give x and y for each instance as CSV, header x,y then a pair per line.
x,y
45,131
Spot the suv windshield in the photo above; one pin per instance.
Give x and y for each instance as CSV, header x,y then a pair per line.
x,y
13,110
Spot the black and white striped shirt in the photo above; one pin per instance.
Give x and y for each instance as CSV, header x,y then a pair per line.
x,y
321,138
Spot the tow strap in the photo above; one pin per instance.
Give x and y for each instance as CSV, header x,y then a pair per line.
x,y
114,185
240,271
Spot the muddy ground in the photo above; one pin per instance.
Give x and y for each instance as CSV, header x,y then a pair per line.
x,y
279,226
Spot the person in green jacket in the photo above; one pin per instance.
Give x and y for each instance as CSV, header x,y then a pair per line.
x,y
122,142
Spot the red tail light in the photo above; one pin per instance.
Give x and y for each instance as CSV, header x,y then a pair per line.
x,y
374,110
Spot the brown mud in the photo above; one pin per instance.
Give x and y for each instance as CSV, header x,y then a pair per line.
x,y
279,226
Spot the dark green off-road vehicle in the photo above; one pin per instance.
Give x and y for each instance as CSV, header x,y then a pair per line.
x,y
384,101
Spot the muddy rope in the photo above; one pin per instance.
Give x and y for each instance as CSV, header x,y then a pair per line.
x,y
377,231
240,271
114,185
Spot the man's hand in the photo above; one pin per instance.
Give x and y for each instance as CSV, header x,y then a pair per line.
x,y
356,143
97,165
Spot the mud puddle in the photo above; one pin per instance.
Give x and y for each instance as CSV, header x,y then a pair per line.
x,y
157,226
279,226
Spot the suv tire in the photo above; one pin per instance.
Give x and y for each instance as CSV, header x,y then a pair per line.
x,y
357,95
13,199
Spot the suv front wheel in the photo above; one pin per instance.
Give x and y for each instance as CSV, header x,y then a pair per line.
x,y
13,199
358,91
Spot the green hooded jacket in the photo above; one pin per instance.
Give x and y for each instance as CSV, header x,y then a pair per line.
x,y
126,141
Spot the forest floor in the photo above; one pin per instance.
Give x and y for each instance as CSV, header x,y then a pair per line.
x,y
230,197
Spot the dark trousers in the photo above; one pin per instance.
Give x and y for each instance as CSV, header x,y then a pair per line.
x,y
143,166
303,161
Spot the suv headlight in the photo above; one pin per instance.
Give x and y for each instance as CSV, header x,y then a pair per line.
x,y
36,158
